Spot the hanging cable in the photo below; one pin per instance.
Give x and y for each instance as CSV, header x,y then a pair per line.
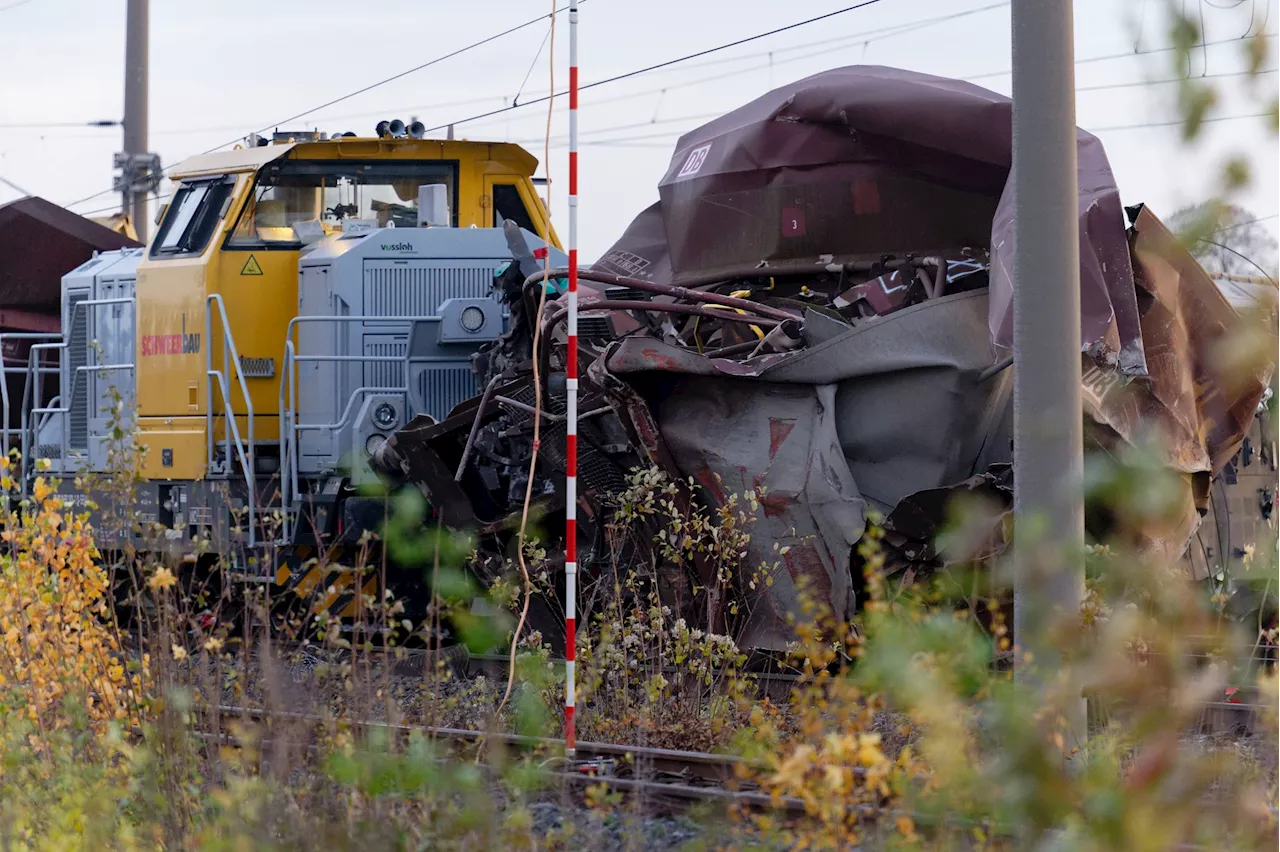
x,y
1243,257
1243,224
534,63
521,536
13,185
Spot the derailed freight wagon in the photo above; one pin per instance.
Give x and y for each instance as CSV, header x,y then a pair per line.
x,y
820,305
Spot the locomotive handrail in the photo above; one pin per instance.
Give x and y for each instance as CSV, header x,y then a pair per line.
x,y
229,356
288,476
244,460
34,372
346,412
381,318
65,409
31,386
289,473
4,385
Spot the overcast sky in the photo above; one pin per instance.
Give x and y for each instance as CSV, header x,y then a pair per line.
x,y
220,70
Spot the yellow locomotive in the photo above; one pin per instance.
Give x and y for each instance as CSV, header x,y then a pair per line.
x,y
302,298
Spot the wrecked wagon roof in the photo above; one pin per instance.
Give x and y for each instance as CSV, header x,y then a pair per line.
x,y
855,162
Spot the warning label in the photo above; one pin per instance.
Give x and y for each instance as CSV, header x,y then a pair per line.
x,y
251,267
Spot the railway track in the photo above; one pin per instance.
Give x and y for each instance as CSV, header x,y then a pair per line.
x,y
1238,712
411,662
657,774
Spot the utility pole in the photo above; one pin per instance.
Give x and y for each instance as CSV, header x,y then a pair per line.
x,y
139,169
1048,436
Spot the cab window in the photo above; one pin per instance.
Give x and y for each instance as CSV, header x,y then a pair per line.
x,y
507,204
193,216
296,191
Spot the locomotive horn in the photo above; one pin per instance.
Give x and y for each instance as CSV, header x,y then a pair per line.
x,y
417,129
382,129
396,128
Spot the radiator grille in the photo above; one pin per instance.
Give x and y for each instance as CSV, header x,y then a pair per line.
x,y
404,290
627,294
77,381
384,374
595,328
597,472
443,388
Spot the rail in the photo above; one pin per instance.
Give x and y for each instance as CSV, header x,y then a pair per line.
x,y
230,427
290,426
694,775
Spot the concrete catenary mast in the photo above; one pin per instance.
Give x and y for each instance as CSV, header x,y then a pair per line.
x,y
1048,432
139,169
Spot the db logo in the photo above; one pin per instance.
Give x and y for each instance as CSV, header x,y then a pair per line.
x,y
697,157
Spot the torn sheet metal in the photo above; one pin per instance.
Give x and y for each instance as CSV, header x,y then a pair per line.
x,y
865,161
1200,417
736,437
868,416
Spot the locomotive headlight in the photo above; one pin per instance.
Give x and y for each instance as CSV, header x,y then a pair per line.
x,y
372,443
384,416
472,319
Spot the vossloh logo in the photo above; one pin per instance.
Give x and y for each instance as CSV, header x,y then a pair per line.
x,y
397,247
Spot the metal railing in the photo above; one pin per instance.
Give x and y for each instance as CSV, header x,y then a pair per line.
x,y
15,370
290,426
230,428
33,389
50,410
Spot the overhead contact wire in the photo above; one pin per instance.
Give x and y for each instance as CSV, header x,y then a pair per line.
x,y
679,59
361,90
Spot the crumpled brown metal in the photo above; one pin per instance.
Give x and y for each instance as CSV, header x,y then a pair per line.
x,y
859,162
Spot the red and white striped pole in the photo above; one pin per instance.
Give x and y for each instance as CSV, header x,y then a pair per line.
x,y
571,439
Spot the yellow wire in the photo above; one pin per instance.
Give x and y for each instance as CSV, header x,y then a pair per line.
x,y
537,391
755,328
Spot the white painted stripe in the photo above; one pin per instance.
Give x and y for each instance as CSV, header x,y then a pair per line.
x,y
571,482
